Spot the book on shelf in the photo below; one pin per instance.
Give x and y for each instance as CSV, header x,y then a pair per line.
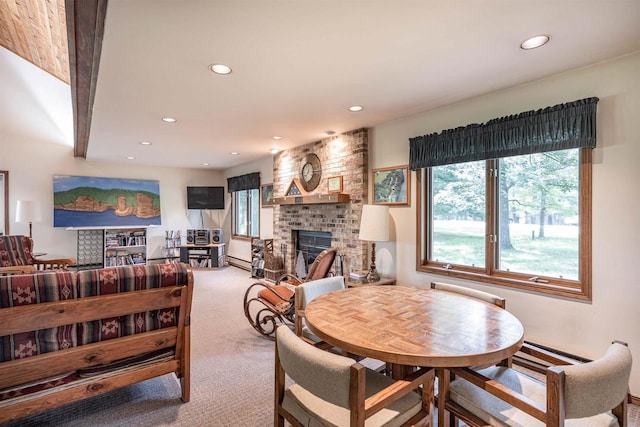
x,y
200,262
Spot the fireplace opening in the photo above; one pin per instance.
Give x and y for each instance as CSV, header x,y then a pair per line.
x,y
309,244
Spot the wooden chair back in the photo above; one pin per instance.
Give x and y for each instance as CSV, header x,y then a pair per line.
x,y
321,266
340,381
574,391
308,291
481,295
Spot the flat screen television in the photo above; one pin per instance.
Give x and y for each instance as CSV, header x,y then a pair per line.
x,y
205,197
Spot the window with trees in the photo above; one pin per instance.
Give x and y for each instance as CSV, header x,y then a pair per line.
x,y
245,206
522,219
246,213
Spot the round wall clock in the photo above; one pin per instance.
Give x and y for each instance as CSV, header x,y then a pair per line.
x,y
311,172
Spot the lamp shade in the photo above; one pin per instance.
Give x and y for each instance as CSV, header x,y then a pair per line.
x,y
28,211
374,224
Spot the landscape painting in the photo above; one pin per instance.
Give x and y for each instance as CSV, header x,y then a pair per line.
x,y
85,201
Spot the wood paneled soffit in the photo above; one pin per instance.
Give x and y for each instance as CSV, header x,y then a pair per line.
x,y
36,31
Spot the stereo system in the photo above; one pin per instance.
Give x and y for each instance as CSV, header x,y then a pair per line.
x,y
216,235
204,237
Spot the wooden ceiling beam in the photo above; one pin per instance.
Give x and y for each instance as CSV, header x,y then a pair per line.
x,y
85,31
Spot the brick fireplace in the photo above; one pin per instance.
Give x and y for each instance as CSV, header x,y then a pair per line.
x,y
343,155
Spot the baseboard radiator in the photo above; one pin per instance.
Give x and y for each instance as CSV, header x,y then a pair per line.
x,y
240,263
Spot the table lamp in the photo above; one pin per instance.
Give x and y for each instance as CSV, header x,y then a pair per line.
x,y
28,211
374,227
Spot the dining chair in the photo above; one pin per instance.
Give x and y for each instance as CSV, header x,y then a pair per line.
x,y
330,389
481,295
307,292
588,394
445,376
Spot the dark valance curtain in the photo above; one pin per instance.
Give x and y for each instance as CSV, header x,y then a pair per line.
x,y
563,126
249,181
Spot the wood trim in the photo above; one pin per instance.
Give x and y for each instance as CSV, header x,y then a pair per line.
x,y
85,31
578,290
21,371
634,400
419,218
14,320
5,175
83,389
586,204
312,199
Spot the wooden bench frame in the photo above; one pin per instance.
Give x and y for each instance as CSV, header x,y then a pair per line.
x,y
26,318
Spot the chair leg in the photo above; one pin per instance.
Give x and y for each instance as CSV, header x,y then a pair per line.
x,y
443,396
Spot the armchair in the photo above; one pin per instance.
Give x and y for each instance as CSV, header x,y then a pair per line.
x,y
274,304
16,257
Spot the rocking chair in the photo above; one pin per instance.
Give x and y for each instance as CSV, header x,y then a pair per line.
x,y
273,304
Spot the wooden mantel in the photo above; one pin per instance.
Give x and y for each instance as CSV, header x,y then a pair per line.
x,y
312,199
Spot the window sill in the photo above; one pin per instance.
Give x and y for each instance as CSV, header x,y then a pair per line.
x,y
573,292
240,237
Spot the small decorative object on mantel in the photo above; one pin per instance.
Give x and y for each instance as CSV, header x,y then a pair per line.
x,y
295,188
334,184
392,186
297,195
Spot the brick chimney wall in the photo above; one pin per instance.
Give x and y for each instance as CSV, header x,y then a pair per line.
x,y
343,155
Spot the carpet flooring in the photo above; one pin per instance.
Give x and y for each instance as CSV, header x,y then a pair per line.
x,y
231,373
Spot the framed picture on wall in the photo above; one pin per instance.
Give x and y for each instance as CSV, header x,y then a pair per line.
x,y
266,195
391,186
334,184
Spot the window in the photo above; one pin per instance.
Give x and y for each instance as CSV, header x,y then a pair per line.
x,y
519,221
246,213
509,202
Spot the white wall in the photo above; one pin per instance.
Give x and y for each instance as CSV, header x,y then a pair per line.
x,y
36,143
584,328
241,248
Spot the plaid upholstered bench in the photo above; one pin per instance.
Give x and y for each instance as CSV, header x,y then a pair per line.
x,y
66,336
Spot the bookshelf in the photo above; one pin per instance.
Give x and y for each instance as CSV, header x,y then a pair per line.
x,y
258,248
125,247
171,249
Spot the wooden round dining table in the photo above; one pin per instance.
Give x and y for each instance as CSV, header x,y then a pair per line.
x,y
415,326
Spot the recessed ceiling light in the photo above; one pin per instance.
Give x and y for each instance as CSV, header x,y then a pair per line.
x,y
356,108
205,164
534,42
277,137
330,132
220,69
274,150
145,143
130,157
234,153
169,120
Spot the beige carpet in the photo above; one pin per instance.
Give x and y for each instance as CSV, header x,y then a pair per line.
x,y
231,373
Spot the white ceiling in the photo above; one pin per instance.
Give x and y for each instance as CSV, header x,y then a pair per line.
x,y
298,64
